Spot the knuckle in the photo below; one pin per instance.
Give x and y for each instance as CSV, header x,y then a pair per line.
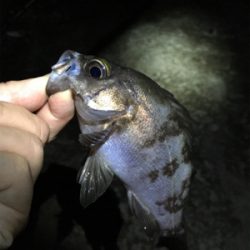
x,y
42,130
36,154
37,147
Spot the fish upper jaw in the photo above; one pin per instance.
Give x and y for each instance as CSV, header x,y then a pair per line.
x,y
69,64
64,72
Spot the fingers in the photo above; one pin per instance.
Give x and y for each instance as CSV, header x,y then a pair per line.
x,y
23,133
28,93
25,144
22,137
12,115
16,187
57,111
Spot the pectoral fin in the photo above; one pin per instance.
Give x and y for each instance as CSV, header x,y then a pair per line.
x,y
97,138
146,218
95,177
94,116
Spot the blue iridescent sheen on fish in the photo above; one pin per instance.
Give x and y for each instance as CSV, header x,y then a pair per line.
x,y
134,129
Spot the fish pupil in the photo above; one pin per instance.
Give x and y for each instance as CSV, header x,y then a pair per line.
x,y
95,72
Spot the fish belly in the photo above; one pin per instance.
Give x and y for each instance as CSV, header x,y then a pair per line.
x,y
158,175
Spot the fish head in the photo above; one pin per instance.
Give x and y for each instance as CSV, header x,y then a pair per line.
x,y
95,83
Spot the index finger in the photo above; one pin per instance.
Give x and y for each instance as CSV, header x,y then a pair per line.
x,y
29,93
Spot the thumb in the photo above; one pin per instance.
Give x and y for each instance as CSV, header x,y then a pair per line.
x,y
57,111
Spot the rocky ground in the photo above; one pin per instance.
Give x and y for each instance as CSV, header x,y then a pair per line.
x,y
199,52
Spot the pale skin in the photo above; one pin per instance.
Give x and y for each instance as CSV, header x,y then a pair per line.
x,y
28,120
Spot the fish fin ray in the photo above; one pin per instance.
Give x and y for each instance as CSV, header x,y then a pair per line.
x,y
95,116
97,138
147,219
95,178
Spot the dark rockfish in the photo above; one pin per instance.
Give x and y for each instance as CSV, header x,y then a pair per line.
x,y
134,129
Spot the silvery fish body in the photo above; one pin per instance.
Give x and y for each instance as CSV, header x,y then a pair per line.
x,y
134,129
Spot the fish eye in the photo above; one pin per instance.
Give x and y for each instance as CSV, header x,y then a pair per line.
x,y
97,68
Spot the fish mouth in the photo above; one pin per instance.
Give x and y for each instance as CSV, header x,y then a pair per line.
x,y
61,67
88,95
68,63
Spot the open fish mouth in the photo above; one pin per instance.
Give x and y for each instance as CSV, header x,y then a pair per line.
x,y
61,67
66,62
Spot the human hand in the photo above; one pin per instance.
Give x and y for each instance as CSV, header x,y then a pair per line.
x,y
28,119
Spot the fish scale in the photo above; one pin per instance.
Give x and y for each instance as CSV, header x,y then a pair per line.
x,y
161,187
134,129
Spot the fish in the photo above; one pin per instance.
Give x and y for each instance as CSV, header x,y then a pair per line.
x,y
133,129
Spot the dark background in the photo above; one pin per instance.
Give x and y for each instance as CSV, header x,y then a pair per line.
x,y
36,29
33,35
